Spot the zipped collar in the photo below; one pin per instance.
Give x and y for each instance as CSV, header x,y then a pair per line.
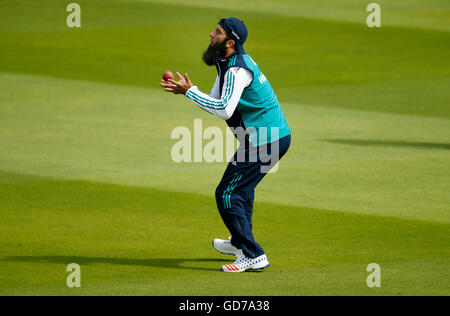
x,y
222,59
221,62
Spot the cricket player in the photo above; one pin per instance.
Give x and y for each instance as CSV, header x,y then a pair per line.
x,y
244,98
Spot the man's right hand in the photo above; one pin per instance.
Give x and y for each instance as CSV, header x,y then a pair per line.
x,y
177,87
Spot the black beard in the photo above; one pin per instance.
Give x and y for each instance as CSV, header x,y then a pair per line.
x,y
214,52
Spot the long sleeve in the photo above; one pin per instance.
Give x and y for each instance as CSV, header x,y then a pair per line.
x,y
235,81
215,91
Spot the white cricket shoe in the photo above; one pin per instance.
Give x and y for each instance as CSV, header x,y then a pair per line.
x,y
225,247
244,263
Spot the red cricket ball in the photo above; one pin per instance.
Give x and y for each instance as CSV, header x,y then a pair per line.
x,y
167,75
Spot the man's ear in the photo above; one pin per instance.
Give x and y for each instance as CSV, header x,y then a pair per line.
x,y
231,43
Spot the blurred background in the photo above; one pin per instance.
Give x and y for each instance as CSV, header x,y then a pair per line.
x,y
86,171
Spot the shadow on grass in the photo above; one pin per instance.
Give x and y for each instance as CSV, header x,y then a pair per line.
x,y
173,263
361,142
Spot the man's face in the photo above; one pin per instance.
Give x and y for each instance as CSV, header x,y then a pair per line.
x,y
218,35
217,47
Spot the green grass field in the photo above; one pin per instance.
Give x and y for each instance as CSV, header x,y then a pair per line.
x,y
86,174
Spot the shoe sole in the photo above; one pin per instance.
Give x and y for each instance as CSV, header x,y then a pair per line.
x,y
259,269
248,270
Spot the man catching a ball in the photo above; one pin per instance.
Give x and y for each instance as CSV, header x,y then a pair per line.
x,y
244,98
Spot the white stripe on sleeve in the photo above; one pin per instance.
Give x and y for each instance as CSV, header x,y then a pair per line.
x,y
235,81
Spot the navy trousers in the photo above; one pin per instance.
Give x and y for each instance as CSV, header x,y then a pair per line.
x,y
235,193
